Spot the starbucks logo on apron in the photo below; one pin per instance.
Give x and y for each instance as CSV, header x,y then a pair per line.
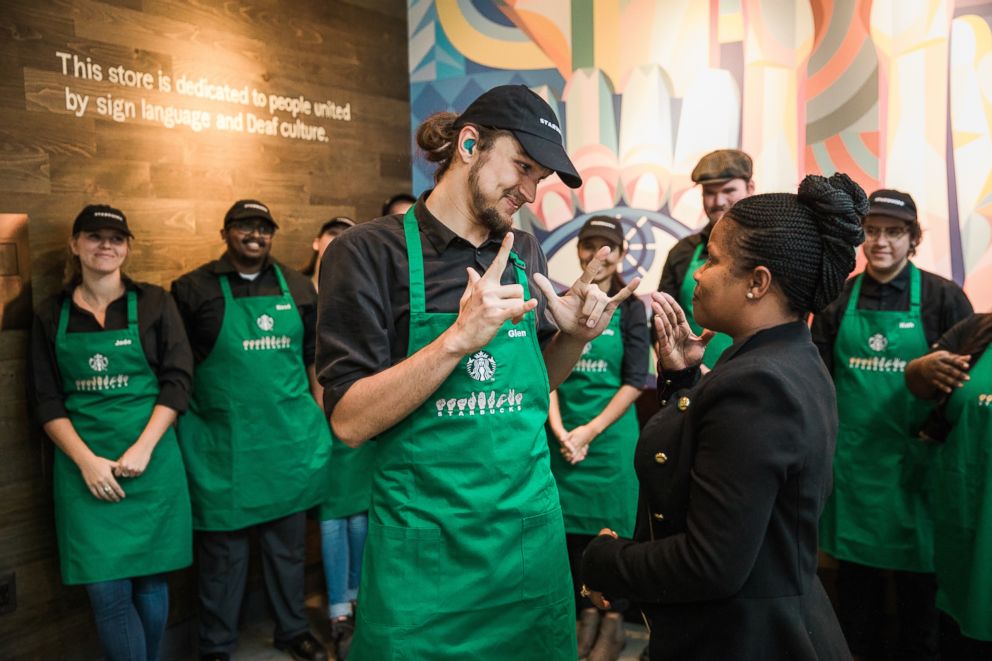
x,y
878,342
587,348
265,322
481,366
99,362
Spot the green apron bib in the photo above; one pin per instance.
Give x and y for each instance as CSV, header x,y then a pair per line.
x,y
255,442
963,512
720,341
878,514
601,490
465,557
110,392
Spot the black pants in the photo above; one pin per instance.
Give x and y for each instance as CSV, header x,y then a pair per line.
x,y
576,544
955,646
222,559
861,607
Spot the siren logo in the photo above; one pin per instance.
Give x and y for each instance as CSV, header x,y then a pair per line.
x,y
878,342
99,362
480,403
481,366
587,348
265,322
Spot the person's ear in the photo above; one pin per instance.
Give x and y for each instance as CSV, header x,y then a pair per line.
x,y
760,283
468,140
750,186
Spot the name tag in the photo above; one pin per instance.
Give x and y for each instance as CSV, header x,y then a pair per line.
x,y
283,306
122,343
907,324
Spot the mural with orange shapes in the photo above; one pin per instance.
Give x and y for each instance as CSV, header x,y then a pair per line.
x,y
896,94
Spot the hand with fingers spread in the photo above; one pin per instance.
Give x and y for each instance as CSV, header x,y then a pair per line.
x,y
486,304
677,347
98,473
943,370
584,310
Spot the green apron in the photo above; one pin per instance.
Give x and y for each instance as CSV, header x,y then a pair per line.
x,y
963,512
720,341
878,514
110,392
465,557
255,442
349,488
601,490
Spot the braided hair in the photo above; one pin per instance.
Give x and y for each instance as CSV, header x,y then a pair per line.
x,y
807,241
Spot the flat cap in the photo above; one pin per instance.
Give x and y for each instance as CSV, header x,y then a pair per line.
x,y
723,165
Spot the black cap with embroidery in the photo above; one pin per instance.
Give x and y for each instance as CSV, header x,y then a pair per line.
x,y
100,217
532,122
604,227
892,203
243,209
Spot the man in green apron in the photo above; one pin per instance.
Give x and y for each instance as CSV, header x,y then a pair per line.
x,y
877,518
255,442
465,557
724,176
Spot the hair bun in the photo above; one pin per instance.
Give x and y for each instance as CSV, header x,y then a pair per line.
x,y
839,206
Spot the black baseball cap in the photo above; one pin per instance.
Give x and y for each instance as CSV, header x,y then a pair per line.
x,y
337,221
100,217
892,203
243,209
515,108
604,227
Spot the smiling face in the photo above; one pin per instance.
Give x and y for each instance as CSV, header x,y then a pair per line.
x,y
887,245
501,180
249,240
719,197
100,252
720,289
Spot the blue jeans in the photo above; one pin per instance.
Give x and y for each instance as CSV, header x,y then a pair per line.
x,y
130,616
342,542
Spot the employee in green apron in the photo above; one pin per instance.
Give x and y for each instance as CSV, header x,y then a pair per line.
x,y
344,514
593,429
255,442
110,369
724,176
434,341
959,373
877,520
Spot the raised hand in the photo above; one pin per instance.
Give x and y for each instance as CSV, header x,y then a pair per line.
x,y
678,347
486,304
584,310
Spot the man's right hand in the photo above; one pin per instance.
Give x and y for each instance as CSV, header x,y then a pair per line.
x,y
944,370
486,305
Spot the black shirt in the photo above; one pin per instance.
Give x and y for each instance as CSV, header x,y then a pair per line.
x,y
163,340
201,301
676,267
634,332
973,334
942,304
364,309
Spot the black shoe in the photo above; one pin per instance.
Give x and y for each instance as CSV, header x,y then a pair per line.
x,y
305,647
342,630
215,656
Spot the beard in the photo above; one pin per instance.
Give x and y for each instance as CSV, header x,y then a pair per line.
x,y
488,215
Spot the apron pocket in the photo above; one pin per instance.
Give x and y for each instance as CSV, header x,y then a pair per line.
x,y
545,565
400,574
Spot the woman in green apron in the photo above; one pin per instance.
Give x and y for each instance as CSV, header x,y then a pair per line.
x,y
344,514
111,369
877,521
963,484
593,429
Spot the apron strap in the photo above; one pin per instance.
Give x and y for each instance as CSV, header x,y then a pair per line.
x,y
132,309
64,317
914,289
282,281
225,288
852,303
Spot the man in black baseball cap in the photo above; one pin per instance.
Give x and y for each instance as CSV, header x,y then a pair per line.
x,y
248,209
100,217
452,380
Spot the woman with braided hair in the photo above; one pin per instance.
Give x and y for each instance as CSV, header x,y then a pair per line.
x,y
734,469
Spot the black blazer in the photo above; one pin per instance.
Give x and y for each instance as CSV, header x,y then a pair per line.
x,y
733,472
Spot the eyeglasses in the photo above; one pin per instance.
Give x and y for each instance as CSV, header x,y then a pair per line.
x,y
890,233
249,226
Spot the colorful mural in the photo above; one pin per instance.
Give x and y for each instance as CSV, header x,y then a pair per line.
x,y
896,94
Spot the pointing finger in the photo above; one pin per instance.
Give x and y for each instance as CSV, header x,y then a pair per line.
x,y
626,292
594,266
495,270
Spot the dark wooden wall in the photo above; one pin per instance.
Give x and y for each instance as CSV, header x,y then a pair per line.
x,y
174,185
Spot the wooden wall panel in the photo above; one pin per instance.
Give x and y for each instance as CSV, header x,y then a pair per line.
x,y
174,185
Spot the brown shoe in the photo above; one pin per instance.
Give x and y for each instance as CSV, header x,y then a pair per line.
x,y
610,641
588,628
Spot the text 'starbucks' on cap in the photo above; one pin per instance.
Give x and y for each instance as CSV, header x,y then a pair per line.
x,y
892,203
244,209
100,217
604,227
517,109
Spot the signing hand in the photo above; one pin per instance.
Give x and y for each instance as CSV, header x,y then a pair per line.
x,y
944,370
584,310
98,473
678,347
134,461
486,304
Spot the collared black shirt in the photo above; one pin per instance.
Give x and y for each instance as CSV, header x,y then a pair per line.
x,y
636,339
163,340
201,301
364,309
676,267
942,304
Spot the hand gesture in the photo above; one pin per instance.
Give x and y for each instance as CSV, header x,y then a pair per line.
x,y
134,461
678,347
584,310
486,304
944,370
98,474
